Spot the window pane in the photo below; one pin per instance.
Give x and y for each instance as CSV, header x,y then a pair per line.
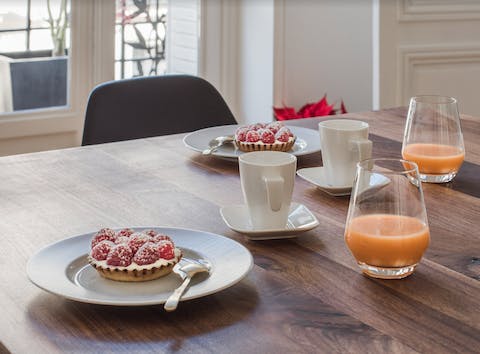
x,y
129,12
136,68
39,12
118,69
140,37
41,39
35,73
13,14
128,68
143,68
13,42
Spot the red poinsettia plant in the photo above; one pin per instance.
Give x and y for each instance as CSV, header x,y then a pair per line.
x,y
316,109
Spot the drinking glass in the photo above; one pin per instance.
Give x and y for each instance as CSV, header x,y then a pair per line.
x,y
433,138
387,229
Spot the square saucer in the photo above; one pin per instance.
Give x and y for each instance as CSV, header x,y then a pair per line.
x,y
300,219
317,176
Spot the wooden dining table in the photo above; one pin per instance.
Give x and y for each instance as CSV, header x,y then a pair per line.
x,y
303,295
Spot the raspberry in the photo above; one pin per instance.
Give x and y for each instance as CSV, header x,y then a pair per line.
x,y
125,232
121,239
161,237
150,232
241,134
256,126
165,250
288,131
282,136
275,127
103,234
101,250
147,254
120,256
267,137
137,240
252,136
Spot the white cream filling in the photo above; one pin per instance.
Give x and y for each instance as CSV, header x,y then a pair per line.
x,y
277,142
134,266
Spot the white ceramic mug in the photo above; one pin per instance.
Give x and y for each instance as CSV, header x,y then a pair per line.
x,y
267,179
344,143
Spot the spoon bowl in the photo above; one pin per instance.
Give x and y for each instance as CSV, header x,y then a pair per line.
x,y
215,143
191,269
188,270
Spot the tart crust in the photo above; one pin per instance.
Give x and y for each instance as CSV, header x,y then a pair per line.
x,y
277,146
136,275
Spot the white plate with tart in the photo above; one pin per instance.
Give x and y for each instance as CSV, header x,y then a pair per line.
x,y
63,268
307,141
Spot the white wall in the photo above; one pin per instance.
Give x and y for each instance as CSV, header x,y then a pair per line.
x,y
327,46
295,51
429,47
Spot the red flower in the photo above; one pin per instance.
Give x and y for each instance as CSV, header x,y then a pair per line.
x,y
343,110
317,109
285,113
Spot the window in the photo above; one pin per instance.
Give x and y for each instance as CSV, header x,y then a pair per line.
x,y
34,40
94,54
140,32
34,25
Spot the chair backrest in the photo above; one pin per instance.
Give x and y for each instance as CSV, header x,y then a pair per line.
x,y
151,106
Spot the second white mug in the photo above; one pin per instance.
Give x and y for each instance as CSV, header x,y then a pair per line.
x,y
267,179
344,143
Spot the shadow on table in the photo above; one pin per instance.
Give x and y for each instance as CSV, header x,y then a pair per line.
x,y
308,160
75,326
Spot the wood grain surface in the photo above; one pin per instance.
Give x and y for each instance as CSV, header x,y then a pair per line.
x,y
304,295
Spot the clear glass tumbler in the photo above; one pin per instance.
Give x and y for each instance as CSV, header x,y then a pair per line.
x,y
433,138
387,229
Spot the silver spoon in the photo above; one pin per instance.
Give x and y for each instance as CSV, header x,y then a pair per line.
x,y
214,144
189,270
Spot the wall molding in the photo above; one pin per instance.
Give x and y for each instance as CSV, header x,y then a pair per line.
x,y
437,10
410,57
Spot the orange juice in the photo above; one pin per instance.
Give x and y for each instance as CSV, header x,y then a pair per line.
x,y
384,240
434,158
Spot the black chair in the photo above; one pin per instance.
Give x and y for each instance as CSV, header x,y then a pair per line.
x,y
151,106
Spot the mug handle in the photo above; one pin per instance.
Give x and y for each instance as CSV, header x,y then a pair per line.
x,y
274,187
363,148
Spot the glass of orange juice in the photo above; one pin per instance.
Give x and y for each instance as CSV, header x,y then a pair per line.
x,y
387,229
433,138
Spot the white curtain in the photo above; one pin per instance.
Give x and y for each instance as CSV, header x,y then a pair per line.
x,y
6,103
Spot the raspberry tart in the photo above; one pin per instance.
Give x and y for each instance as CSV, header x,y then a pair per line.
x,y
127,255
259,137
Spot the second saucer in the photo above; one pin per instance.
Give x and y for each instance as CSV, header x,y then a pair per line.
x,y
317,176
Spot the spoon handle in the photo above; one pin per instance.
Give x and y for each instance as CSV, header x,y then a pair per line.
x,y
209,150
172,301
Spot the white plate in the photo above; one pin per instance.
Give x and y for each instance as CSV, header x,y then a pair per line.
x,y
62,268
308,141
316,176
300,220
